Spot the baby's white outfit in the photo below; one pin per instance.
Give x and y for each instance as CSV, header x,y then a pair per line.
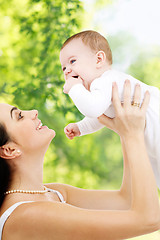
x,y
8,212
97,101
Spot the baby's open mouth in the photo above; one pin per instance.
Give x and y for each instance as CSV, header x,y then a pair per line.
x,y
75,76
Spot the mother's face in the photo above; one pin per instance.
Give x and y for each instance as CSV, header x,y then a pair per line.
x,y
25,128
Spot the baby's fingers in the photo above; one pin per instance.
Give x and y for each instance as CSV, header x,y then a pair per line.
x,y
69,137
67,130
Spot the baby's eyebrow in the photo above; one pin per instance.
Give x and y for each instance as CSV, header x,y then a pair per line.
x,y
73,56
11,112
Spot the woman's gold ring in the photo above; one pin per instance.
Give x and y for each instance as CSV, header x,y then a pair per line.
x,y
135,104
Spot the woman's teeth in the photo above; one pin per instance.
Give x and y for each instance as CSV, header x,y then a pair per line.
x,y
39,126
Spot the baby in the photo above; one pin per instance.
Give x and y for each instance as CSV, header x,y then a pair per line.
x,y
86,61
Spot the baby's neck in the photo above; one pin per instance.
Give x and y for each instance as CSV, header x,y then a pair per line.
x,y
98,74
102,70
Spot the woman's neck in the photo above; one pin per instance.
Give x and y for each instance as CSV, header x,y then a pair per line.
x,y
28,175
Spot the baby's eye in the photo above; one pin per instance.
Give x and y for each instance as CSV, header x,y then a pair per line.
x,y
72,61
63,69
20,115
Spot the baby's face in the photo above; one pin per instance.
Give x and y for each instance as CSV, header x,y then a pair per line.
x,y
77,59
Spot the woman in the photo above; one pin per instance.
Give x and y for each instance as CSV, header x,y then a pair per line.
x,y
64,212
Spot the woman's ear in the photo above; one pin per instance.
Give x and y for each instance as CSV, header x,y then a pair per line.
x,y
9,151
101,59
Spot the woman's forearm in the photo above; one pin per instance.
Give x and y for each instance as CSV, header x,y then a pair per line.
x,y
143,185
125,189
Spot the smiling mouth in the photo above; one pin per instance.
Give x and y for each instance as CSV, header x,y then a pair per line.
x,y
39,126
75,76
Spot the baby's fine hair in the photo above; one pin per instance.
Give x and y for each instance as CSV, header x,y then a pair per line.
x,y
94,40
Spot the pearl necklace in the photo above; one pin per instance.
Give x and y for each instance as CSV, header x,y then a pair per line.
x,y
27,191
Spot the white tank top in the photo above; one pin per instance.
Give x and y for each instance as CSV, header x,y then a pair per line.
x,y
8,212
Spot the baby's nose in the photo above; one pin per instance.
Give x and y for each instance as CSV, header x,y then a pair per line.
x,y
67,71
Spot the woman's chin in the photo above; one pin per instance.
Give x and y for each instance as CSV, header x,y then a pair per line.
x,y
53,133
51,137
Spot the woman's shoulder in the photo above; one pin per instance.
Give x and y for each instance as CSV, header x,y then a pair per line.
x,y
28,218
46,220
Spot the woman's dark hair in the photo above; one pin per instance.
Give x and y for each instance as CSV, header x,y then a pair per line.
x,y
5,171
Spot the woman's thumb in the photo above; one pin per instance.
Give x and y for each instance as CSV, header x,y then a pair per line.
x,y
108,122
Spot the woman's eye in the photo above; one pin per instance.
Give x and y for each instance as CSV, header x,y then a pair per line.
x,y
72,61
20,115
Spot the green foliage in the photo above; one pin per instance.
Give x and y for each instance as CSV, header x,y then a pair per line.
x,y
99,4
33,67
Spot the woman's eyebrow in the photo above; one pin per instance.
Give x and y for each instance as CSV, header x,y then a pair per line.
x,y
11,112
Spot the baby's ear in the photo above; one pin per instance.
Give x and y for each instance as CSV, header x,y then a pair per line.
x,y
101,58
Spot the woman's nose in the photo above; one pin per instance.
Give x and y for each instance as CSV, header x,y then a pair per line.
x,y
34,114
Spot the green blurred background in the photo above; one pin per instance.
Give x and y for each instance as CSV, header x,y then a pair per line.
x,y
31,35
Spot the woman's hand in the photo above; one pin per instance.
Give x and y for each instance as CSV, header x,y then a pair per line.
x,y
130,117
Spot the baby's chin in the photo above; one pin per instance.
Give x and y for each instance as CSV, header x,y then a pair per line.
x,y
86,85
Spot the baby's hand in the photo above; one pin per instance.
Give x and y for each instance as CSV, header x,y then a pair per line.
x,y
72,130
70,82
